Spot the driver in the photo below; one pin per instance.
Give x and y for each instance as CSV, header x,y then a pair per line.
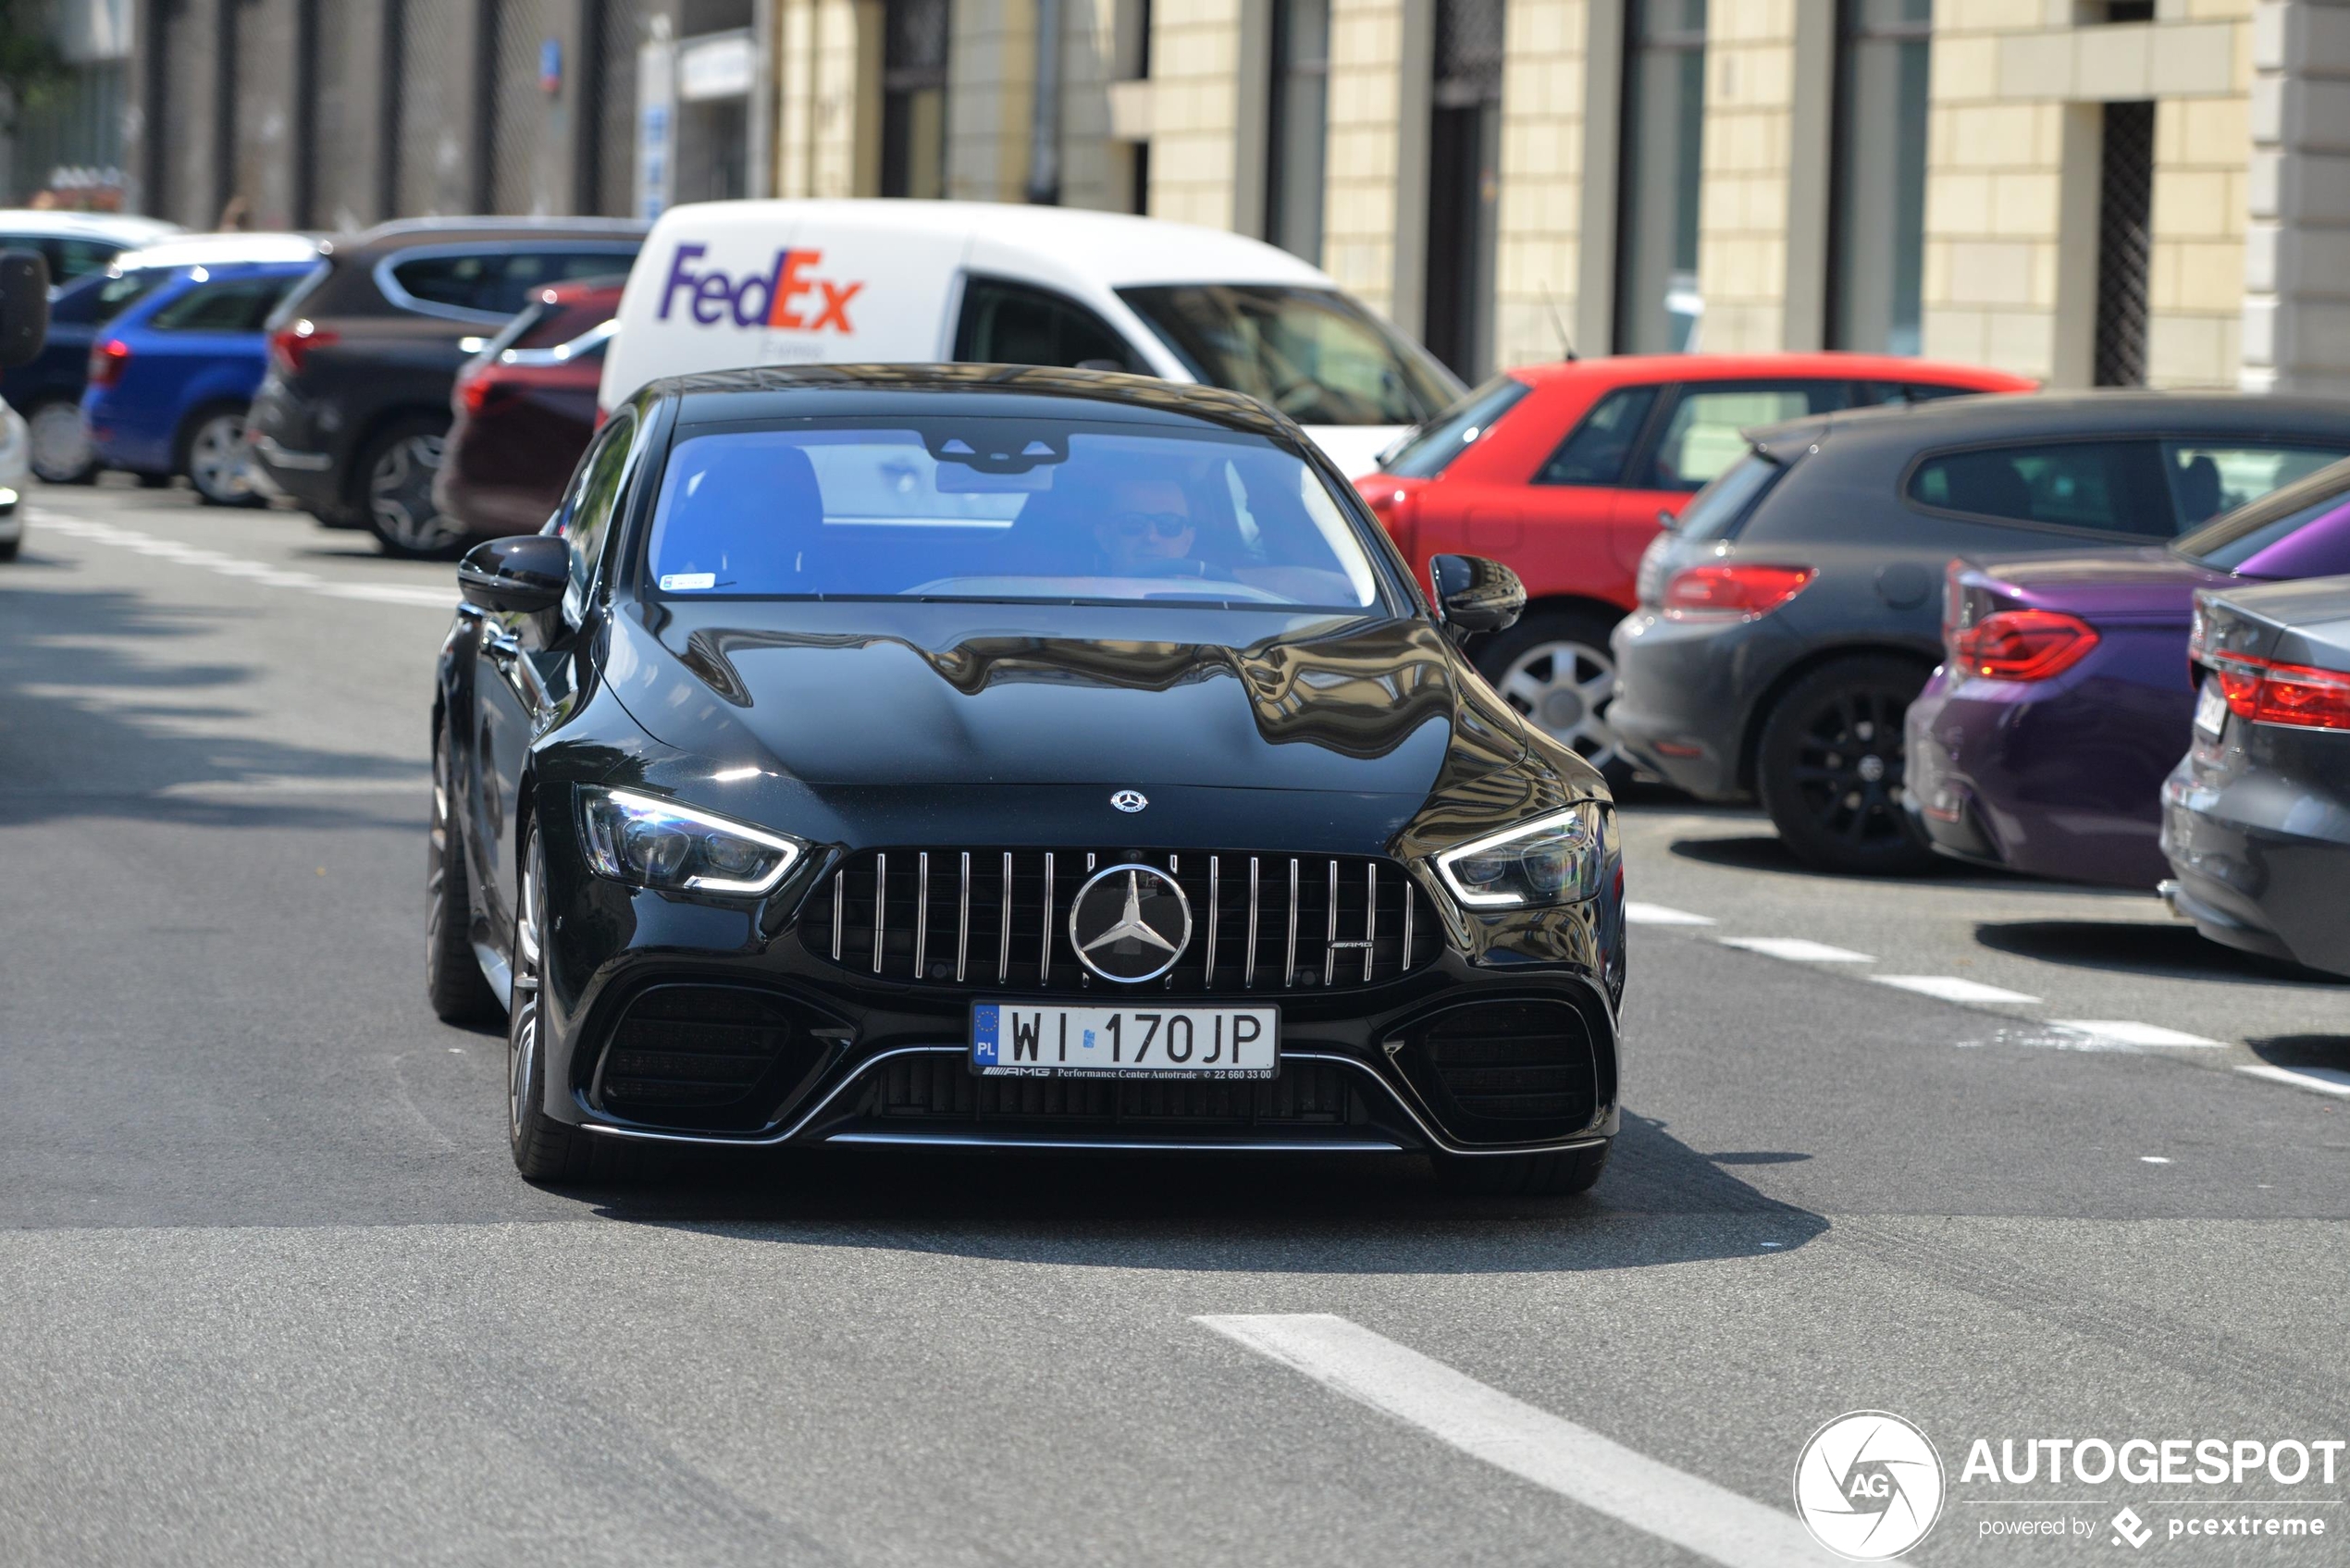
x,y
1148,529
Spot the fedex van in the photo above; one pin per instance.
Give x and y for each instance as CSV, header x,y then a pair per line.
x,y
721,285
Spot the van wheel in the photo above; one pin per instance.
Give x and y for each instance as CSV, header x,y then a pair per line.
x,y
395,486
1830,768
1557,669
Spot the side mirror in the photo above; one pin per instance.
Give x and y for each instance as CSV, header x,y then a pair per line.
x,y
24,306
1475,595
521,575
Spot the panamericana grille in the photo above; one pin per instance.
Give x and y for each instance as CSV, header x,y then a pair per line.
x,y
1000,917
943,1090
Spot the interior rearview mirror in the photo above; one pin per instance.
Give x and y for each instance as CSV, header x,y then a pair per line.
x,y
521,575
24,306
1475,595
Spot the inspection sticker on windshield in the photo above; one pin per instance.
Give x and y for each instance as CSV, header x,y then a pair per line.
x,y
2211,711
1014,1040
677,581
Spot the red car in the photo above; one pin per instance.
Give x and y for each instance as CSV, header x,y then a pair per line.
x,y
1562,471
525,406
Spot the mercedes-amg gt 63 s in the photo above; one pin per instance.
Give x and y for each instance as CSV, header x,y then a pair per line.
x,y
1008,757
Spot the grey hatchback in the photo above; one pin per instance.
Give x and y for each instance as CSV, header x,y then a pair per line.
x,y
1789,617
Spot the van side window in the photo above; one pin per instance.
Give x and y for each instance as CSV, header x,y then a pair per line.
x,y
1013,323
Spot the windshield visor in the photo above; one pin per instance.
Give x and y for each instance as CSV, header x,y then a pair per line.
x,y
1002,509
1313,354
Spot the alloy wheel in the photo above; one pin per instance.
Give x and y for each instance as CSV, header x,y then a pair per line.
x,y
400,495
58,447
522,1034
219,462
1848,767
1564,688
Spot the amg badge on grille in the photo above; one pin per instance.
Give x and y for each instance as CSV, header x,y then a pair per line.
x,y
1129,800
1130,923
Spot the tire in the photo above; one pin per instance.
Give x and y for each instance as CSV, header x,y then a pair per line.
x,y
1559,1172
154,481
9,547
1829,768
58,447
395,492
1554,667
454,980
214,456
545,1149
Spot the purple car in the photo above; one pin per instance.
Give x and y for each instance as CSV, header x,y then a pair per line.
x,y
2065,696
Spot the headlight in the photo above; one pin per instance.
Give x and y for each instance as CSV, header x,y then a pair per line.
x,y
1554,859
649,842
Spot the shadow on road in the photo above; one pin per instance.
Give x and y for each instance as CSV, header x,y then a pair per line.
x,y
1660,1201
2141,948
2304,1050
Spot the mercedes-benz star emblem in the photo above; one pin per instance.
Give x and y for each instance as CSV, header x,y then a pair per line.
x,y
1129,800
1130,923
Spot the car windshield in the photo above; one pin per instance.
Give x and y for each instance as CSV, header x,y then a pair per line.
x,y
1313,354
1427,451
998,508
2227,542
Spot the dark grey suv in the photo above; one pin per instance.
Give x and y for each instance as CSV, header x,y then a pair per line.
x,y
1788,619
363,353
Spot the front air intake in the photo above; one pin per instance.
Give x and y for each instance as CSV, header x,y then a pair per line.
x,y
1505,1073
721,1057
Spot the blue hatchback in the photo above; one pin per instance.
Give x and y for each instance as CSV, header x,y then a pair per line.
x,y
171,376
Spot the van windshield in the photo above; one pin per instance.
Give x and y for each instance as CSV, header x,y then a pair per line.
x,y
992,508
1313,354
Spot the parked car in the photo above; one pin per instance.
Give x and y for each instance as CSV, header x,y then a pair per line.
x,y
942,711
350,419
171,377
867,282
2255,819
2064,694
1787,622
16,469
1562,470
77,244
526,407
48,389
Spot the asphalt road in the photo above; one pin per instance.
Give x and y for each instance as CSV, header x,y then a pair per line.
x,y
270,1291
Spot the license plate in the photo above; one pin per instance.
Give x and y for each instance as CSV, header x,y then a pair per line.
x,y
1021,1040
2211,711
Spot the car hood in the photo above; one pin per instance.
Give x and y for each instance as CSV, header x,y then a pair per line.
x,y
2151,584
883,695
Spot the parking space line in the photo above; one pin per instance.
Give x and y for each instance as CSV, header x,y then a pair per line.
x,y
1641,914
1799,949
250,571
2129,1032
2318,1081
1530,1443
1952,988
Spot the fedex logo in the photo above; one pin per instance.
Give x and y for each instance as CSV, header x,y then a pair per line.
x,y
783,296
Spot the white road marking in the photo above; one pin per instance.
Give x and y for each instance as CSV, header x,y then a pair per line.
x,y
1952,988
1803,950
2154,1159
2128,1031
250,571
1575,1462
1659,915
2321,1080
294,783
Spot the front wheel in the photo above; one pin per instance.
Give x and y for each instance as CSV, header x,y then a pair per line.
x,y
545,1149
452,976
1557,669
218,463
1556,1173
56,445
396,488
1830,768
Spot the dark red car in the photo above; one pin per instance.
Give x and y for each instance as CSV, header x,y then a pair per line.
x,y
524,408
1561,470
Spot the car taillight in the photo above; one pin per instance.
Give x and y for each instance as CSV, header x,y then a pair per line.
x,y
472,392
2022,645
2294,694
107,360
1726,591
292,343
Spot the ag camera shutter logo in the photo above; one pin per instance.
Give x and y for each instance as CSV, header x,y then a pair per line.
x,y
1868,1485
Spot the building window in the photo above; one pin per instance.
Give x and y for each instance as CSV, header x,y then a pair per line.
x,y
913,160
1299,121
2126,243
1657,304
1876,257
1463,185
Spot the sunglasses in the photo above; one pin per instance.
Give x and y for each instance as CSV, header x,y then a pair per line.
x,y
1166,524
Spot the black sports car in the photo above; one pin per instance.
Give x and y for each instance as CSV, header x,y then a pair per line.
x,y
992,755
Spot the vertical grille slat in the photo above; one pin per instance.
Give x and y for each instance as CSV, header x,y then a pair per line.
x,y
1349,904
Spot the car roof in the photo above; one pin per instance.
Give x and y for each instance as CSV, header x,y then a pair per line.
x,y
1119,248
128,229
2061,414
401,233
798,391
1638,369
219,250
